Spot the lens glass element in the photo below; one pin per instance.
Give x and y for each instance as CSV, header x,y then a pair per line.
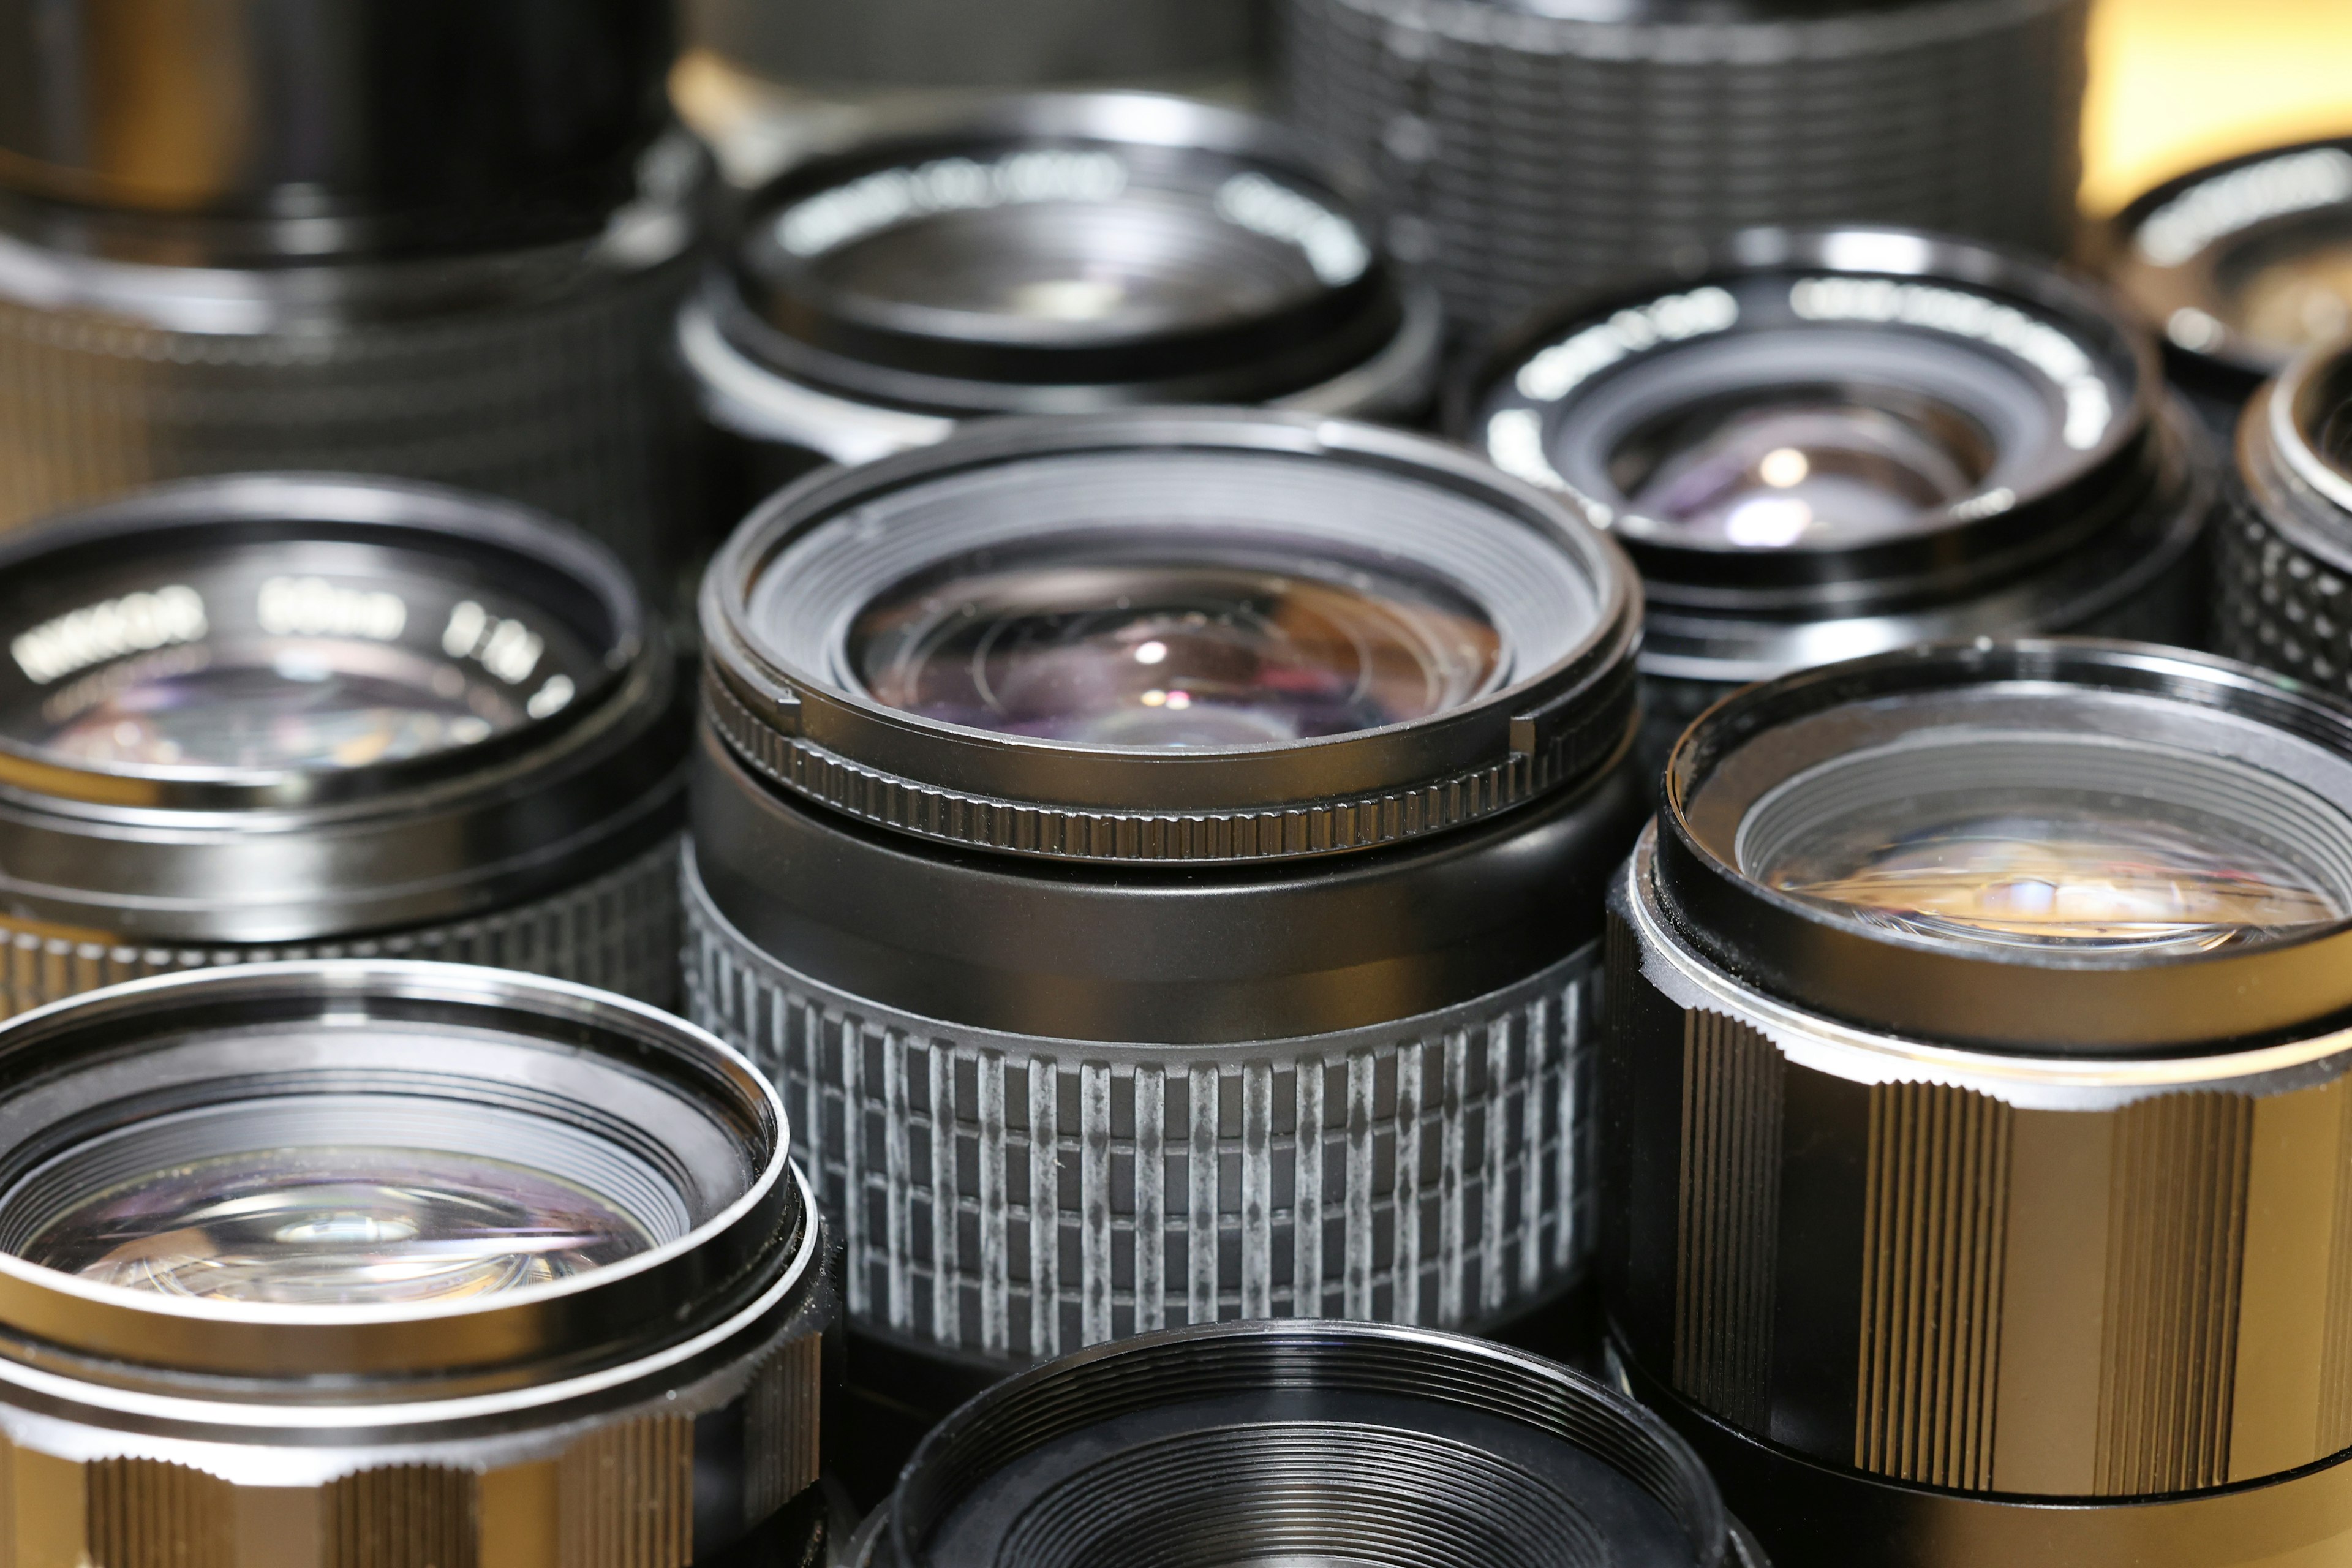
x,y
1800,466
1173,648
2296,300
344,1226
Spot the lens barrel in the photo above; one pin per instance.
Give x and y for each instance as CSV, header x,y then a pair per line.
x,y
1044,254
2242,265
1324,1442
1837,442
1528,148
444,242
1975,1178
305,716
1109,1006
2286,547
266,1300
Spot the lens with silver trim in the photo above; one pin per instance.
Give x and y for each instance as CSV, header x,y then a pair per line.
x,y
249,715
1975,1036
436,1253
2286,546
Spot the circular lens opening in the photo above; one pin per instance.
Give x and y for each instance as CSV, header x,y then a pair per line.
x,y
1817,465
304,656
2051,841
2293,296
1173,644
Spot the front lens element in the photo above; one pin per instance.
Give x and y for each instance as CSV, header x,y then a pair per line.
x,y
1804,465
1171,653
338,1227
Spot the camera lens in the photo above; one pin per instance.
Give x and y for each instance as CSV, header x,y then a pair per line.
x,y
446,244
286,716
1976,1040
1528,149
2286,546
1044,254
1339,1443
1147,849
2243,264
269,1289
1837,442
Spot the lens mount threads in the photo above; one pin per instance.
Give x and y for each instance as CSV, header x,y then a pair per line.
x,y
1043,254
293,716
1527,150
371,1328
1244,1441
1832,443
443,288
2241,265
2287,548
1980,1204
1066,1086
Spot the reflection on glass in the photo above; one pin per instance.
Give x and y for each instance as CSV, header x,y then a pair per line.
x,y
2299,300
2057,868
338,1227
1797,466
1173,655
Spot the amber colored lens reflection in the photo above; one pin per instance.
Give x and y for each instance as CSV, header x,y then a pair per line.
x,y
2055,869
2299,300
338,1227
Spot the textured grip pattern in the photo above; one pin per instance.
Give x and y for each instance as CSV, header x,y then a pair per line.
x,y
1525,156
1019,1197
2279,608
565,403
618,933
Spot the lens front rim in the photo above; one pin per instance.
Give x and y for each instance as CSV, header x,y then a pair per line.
x,y
2315,390
434,1351
1957,549
1064,800
2002,998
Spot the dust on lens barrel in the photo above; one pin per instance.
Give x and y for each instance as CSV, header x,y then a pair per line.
x,y
341,1225
1992,842
1803,464
1173,647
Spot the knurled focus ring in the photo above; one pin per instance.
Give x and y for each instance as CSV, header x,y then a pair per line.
x,y
617,932
1017,1197
1598,728
2279,607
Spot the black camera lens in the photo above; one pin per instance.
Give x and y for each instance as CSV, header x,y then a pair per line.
x,y
1528,148
299,1254
1302,1443
1976,1047
1159,856
1046,255
2286,547
2243,265
1837,442
278,716
444,242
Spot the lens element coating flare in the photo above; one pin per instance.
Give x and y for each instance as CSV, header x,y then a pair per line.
x,y
338,1227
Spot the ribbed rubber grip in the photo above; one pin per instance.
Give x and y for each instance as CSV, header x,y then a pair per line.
x,y
1017,1197
617,932
1526,157
569,403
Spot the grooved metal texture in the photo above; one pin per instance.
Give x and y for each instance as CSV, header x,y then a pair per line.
x,y
618,933
633,1487
1727,1249
2278,606
412,1516
1524,157
1018,1197
2336,1355
952,817
1932,1249
2177,1242
567,403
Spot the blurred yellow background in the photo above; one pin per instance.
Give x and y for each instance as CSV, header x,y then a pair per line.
x,y
2177,83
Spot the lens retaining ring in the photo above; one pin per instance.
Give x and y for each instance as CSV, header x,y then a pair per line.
x,y
703,1353
2014,998
831,372
1367,1366
142,857
1061,800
